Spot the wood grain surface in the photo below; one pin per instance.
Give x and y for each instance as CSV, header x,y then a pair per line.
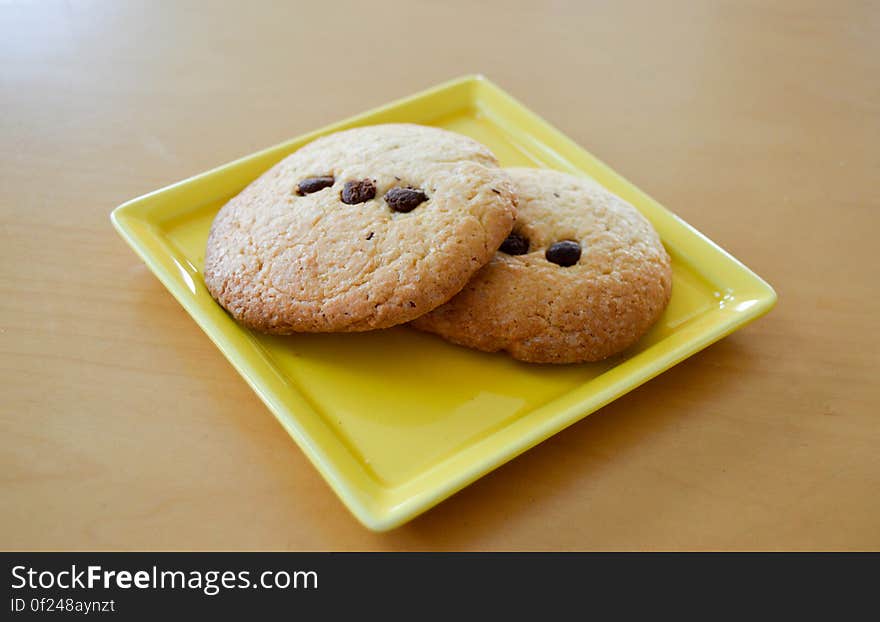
x,y
122,427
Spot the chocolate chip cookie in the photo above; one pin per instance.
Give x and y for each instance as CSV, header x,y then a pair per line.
x,y
582,276
361,229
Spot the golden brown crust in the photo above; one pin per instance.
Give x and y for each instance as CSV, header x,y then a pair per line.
x,y
542,312
283,262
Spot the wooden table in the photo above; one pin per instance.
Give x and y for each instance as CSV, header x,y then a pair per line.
x,y
122,427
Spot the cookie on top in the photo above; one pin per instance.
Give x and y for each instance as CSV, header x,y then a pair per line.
x,y
362,229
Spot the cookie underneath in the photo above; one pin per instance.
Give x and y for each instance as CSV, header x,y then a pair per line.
x,y
582,277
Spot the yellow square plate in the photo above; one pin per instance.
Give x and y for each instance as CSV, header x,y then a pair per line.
x,y
397,420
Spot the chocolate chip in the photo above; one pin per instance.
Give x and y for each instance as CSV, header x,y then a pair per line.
x,y
404,199
515,244
565,253
313,184
354,192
